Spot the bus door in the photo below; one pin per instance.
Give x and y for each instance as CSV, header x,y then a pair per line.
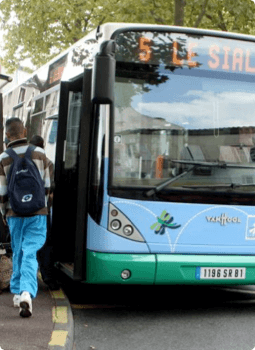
x,y
71,175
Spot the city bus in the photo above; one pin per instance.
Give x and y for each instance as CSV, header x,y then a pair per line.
x,y
152,132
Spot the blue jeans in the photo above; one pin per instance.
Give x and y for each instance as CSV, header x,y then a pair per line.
x,y
28,235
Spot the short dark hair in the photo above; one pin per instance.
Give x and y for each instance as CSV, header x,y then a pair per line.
x,y
37,141
14,126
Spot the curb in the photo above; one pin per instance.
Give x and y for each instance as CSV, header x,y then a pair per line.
x,y
62,337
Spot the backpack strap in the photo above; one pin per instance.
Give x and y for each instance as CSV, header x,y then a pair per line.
x,y
12,153
15,158
29,151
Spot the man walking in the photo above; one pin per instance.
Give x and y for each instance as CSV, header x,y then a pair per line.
x,y
28,232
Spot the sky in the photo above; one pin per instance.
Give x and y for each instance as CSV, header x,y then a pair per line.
x,y
197,102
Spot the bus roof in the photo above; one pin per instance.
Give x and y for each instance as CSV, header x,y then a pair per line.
x,y
105,32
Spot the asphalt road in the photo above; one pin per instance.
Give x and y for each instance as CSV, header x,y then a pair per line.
x,y
163,317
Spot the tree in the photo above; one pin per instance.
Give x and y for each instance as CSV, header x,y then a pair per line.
x,y
40,29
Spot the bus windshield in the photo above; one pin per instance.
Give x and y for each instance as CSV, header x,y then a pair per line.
x,y
182,101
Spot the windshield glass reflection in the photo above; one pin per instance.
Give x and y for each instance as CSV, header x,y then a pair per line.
x,y
184,117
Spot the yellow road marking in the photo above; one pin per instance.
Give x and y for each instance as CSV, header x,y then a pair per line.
x,y
59,314
58,338
57,294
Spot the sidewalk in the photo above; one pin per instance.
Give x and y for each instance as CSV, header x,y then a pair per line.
x,y
49,327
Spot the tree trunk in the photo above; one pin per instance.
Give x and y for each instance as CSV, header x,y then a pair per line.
x,y
179,12
202,13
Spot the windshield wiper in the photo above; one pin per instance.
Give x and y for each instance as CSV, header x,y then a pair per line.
x,y
167,182
195,164
218,164
232,185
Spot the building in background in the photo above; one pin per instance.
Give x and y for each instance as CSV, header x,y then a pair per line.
x,y
18,77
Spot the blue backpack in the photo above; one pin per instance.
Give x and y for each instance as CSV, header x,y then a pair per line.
x,y
24,184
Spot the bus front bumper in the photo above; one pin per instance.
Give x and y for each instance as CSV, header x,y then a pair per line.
x,y
109,268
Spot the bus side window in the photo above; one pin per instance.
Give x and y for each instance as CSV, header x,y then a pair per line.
x,y
53,133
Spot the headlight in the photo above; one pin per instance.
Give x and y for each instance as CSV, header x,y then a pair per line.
x,y
120,224
115,225
128,230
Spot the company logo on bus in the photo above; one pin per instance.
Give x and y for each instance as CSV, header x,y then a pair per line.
x,y
164,221
223,219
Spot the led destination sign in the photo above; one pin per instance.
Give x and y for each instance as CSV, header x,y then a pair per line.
x,y
56,70
187,51
146,54
234,59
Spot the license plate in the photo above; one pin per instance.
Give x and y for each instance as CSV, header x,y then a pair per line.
x,y
220,273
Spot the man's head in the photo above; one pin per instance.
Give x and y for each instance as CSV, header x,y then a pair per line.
x,y
37,141
14,129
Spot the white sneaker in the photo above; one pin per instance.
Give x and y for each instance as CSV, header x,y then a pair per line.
x,y
25,305
16,300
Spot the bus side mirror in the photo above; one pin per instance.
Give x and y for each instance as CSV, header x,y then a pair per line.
x,y
104,74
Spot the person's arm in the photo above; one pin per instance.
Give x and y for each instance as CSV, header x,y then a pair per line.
x,y
46,178
52,185
3,192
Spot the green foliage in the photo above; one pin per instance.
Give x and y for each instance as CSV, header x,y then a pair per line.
x,y
43,28
40,29
226,15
